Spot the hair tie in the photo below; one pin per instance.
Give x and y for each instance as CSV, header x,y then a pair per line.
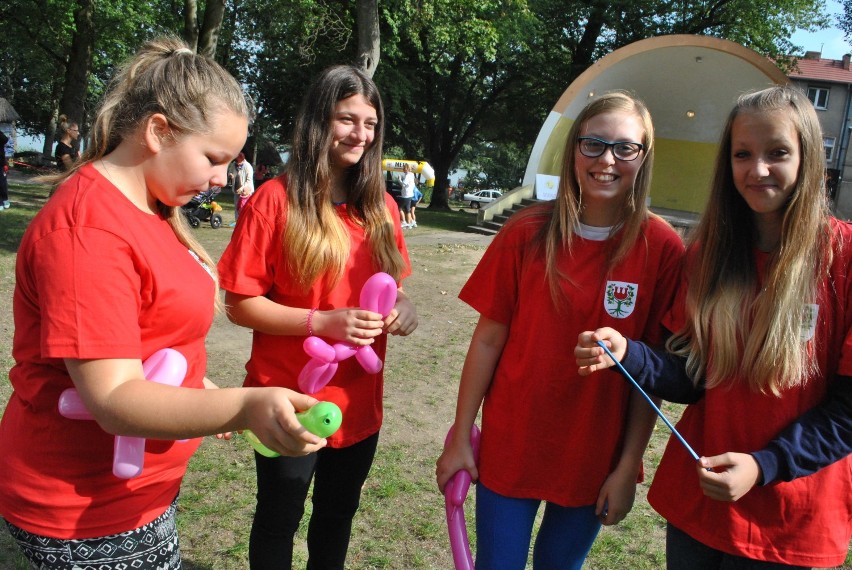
x,y
183,50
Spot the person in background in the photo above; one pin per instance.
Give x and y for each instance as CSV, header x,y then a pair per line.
x,y
66,152
303,249
760,351
593,254
407,193
418,195
107,274
243,184
4,170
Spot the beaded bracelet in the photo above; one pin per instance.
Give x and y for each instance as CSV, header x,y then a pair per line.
x,y
310,321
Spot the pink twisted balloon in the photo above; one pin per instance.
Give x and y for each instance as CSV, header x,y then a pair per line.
x,y
377,295
166,366
455,492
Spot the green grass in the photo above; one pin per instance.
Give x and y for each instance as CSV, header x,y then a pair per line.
x,y
453,220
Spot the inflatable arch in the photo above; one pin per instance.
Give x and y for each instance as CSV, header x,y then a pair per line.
x,y
395,165
689,83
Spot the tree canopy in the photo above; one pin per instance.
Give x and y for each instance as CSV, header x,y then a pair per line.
x,y
466,83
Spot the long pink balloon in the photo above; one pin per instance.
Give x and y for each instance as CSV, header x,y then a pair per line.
x,y
455,492
166,366
377,295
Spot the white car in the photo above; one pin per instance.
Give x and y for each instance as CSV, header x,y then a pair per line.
x,y
476,199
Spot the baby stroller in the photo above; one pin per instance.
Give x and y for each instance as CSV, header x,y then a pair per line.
x,y
203,208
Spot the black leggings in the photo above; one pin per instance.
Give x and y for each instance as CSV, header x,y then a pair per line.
x,y
282,487
685,553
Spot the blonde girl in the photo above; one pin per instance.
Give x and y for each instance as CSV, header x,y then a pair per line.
x,y
107,274
594,253
760,350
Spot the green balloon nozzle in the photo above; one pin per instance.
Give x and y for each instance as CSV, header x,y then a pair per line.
x,y
322,420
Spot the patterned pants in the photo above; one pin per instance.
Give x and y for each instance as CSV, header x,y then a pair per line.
x,y
150,547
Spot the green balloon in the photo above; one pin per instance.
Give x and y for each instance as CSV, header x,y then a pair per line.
x,y
259,447
322,420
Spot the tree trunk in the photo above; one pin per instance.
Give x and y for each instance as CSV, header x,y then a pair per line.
x,y
440,200
73,102
368,36
214,14
190,23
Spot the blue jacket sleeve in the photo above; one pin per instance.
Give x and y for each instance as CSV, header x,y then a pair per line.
x,y
818,438
660,373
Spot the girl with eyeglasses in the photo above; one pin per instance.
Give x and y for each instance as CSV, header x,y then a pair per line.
x,y
593,254
760,350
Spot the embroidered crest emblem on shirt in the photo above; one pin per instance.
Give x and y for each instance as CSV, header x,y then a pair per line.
x,y
809,321
620,298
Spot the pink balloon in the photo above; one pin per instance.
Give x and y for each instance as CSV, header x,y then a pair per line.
x,y
368,359
166,366
455,492
315,375
343,350
315,347
379,294
72,407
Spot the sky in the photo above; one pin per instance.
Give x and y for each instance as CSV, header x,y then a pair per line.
x,y
829,41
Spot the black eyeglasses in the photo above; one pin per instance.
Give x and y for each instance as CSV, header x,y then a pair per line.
x,y
622,150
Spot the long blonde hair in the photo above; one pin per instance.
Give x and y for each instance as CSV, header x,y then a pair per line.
x,y
563,214
166,77
315,238
733,328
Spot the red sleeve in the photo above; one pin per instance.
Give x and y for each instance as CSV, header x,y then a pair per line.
x,y
88,290
492,288
667,285
247,267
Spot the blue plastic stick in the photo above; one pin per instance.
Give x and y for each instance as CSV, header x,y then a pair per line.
x,y
650,401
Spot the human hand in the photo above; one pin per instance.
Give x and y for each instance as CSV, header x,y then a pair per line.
x,y
616,497
457,455
358,327
271,415
591,357
739,474
402,319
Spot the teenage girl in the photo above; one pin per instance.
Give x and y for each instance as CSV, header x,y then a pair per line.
x,y
761,351
107,274
593,253
65,152
306,244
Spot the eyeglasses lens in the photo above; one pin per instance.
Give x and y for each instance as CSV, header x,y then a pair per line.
x,y
594,148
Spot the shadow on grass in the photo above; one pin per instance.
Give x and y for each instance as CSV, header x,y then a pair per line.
x,y
450,220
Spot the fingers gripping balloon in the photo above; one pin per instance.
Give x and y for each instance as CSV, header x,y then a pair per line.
x,y
166,366
377,295
322,420
455,492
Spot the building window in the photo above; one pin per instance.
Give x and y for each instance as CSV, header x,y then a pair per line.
x,y
828,143
819,97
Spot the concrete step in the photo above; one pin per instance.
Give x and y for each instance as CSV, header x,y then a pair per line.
x,y
482,230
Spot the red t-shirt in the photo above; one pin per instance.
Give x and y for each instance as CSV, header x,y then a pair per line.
x,y
254,263
96,278
547,433
804,522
